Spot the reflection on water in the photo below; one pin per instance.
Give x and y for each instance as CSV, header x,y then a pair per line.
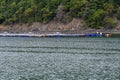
x,y
59,58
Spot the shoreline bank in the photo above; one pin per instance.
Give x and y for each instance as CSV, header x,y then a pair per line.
x,y
74,27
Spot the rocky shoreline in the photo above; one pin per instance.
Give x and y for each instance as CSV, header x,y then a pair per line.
x,y
76,26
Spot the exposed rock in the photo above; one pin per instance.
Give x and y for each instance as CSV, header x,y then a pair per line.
x,y
75,26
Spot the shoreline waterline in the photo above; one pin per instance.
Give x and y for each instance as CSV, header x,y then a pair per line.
x,y
58,34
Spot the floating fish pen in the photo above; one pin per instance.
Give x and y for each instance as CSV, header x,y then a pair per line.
x,y
52,35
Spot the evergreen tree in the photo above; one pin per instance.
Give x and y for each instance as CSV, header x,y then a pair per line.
x,y
93,12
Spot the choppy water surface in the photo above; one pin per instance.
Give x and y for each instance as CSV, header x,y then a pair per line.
x,y
59,58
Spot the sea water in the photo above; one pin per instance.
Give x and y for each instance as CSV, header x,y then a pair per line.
x,y
30,58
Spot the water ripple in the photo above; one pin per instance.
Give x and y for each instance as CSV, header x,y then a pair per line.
x,y
59,58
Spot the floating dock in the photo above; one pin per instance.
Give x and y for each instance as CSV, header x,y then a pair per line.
x,y
50,35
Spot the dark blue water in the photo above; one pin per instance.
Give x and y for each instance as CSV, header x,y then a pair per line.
x,y
28,58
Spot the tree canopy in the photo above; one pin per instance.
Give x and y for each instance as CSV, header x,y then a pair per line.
x,y
96,13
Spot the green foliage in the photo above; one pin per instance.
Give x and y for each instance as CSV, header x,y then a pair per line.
x,y
28,12
1,16
93,12
95,19
99,14
109,22
97,11
109,8
118,14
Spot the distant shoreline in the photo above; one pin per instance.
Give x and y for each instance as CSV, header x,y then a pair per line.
x,y
61,34
82,31
74,27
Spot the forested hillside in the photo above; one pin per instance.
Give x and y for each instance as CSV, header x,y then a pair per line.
x,y
95,13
